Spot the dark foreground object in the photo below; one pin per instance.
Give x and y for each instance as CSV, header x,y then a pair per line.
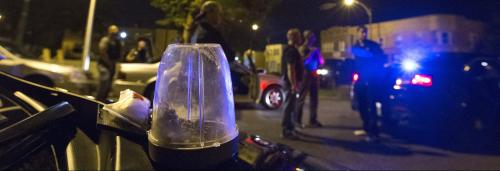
x,y
76,138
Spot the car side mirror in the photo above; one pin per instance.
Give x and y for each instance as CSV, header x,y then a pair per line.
x,y
261,71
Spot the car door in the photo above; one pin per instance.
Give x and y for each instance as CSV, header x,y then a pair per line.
x,y
484,79
254,77
244,80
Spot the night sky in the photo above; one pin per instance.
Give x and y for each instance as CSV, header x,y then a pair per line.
x,y
303,14
306,14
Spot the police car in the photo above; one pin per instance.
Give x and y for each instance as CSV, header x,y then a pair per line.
x,y
445,91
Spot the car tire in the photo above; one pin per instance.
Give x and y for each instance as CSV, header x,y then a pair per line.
x,y
273,97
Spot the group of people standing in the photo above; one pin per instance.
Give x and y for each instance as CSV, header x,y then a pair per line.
x,y
301,58
204,30
300,61
110,53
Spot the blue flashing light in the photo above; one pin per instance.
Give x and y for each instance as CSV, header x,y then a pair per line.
x,y
410,65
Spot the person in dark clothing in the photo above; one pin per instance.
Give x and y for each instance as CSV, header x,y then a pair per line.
x,y
110,48
206,30
312,61
369,65
139,54
292,73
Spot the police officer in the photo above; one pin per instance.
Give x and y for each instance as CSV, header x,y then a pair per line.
x,y
369,65
110,48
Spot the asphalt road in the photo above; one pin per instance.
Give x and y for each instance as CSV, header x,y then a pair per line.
x,y
335,142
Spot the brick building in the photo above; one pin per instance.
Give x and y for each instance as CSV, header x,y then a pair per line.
x,y
433,33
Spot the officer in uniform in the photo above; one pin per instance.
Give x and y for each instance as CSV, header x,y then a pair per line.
x,y
369,65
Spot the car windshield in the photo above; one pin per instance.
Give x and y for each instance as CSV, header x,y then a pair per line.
x,y
366,84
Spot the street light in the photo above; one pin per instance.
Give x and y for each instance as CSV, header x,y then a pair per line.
x,y
123,35
367,10
349,2
255,27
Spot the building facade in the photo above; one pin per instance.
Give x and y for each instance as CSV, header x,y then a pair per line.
x,y
432,33
273,53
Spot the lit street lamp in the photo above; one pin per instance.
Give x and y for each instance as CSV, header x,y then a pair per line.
x,y
349,2
367,10
255,27
123,35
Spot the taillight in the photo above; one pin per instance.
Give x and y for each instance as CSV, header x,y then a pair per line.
x,y
355,77
422,80
263,84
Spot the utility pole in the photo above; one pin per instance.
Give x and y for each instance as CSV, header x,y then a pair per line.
x,y
88,37
21,25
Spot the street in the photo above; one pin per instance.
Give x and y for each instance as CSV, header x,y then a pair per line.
x,y
335,142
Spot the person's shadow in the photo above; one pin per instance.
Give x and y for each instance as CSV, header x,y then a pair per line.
x,y
382,148
245,106
472,142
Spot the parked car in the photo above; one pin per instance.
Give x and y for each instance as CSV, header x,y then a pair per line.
x,y
42,128
18,63
248,85
440,91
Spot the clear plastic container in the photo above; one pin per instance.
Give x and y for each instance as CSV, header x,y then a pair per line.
x,y
193,105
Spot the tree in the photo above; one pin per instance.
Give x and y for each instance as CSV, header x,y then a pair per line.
x,y
239,16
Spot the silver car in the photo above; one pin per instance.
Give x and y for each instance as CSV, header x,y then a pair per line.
x,y
259,88
52,75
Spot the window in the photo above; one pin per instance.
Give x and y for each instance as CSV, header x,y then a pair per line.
x,y
445,38
442,38
327,47
472,40
435,36
341,46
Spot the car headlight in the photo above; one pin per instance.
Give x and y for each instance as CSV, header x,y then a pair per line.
x,y
77,77
322,72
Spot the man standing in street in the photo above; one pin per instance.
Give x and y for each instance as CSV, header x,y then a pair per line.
x,y
369,65
312,61
110,48
292,69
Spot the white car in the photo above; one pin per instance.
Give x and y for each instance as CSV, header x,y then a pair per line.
x,y
260,88
69,78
